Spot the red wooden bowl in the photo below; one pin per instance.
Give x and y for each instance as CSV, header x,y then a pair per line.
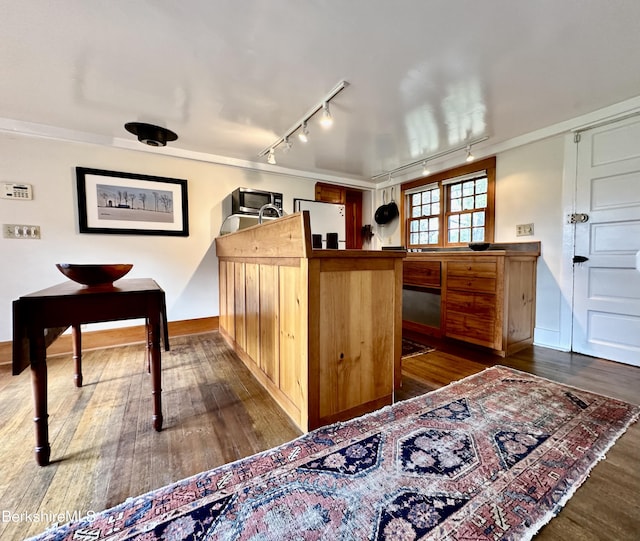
x,y
93,275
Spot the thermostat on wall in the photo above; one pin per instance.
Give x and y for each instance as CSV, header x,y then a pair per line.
x,y
16,191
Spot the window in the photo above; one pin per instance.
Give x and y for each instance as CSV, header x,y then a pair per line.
x,y
467,208
451,208
424,221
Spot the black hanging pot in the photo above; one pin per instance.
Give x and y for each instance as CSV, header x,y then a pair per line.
x,y
381,216
387,212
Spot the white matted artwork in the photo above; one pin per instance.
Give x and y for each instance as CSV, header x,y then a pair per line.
x,y
129,203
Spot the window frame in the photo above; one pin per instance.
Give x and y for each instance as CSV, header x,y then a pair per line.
x,y
442,178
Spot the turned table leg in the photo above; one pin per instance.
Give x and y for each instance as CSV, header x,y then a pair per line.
x,y
40,418
156,369
77,354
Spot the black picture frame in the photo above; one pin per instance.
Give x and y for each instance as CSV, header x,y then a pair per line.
x,y
113,202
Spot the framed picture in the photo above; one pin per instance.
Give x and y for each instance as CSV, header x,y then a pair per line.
x,y
131,204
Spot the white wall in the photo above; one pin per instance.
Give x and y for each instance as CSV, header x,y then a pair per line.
x,y
185,267
528,190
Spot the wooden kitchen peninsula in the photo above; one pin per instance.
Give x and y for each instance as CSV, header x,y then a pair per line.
x,y
320,329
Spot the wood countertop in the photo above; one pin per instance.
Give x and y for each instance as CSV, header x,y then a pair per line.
x,y
513,248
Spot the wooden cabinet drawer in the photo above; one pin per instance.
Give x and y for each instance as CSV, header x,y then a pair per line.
x,y
472,328
481,306
421,273
472,275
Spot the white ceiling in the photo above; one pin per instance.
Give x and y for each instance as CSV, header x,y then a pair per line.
x,y
232,76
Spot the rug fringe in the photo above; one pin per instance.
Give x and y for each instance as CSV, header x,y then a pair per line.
x,y
551,514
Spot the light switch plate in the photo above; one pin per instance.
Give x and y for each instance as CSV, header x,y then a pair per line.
x,y
20,231
524,230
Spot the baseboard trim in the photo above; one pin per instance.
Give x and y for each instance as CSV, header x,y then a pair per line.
x,y
116,337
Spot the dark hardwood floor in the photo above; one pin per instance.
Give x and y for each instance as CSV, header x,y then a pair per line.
x,y
104,449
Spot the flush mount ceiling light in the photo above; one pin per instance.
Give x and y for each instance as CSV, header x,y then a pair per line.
x,y
423,161
155,136
301,126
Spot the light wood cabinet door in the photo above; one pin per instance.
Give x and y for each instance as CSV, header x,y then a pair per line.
x,y
330,193
356,339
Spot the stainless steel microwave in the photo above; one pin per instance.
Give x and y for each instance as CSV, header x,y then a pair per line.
x,y
248,201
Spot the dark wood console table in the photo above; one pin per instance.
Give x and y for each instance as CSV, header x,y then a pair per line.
x,y
40,317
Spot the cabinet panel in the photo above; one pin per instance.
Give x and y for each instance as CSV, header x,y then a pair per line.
x,y
239,285
521,300
293,340
229,302
269,325
252,311
421,273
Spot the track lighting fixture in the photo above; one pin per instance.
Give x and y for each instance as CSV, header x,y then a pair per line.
x,y
326,121
287,144
467,146
470,157
303,134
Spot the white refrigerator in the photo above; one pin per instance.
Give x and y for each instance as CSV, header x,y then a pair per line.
x,y
325,218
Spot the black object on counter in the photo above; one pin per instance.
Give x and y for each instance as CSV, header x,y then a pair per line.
x,y
316,241
332,241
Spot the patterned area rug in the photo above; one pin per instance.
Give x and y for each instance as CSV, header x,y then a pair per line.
x,y
493,456
411,348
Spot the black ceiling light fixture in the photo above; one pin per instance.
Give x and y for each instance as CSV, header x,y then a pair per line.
x,y
155,136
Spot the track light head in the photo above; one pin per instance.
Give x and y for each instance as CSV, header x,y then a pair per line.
x,y
326,120
470,157
303,135
287,144
425,169
271,158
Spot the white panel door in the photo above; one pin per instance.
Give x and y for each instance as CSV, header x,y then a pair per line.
x,y
606,310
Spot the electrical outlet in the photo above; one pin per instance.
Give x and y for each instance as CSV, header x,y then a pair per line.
x,y
524,230
20,231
